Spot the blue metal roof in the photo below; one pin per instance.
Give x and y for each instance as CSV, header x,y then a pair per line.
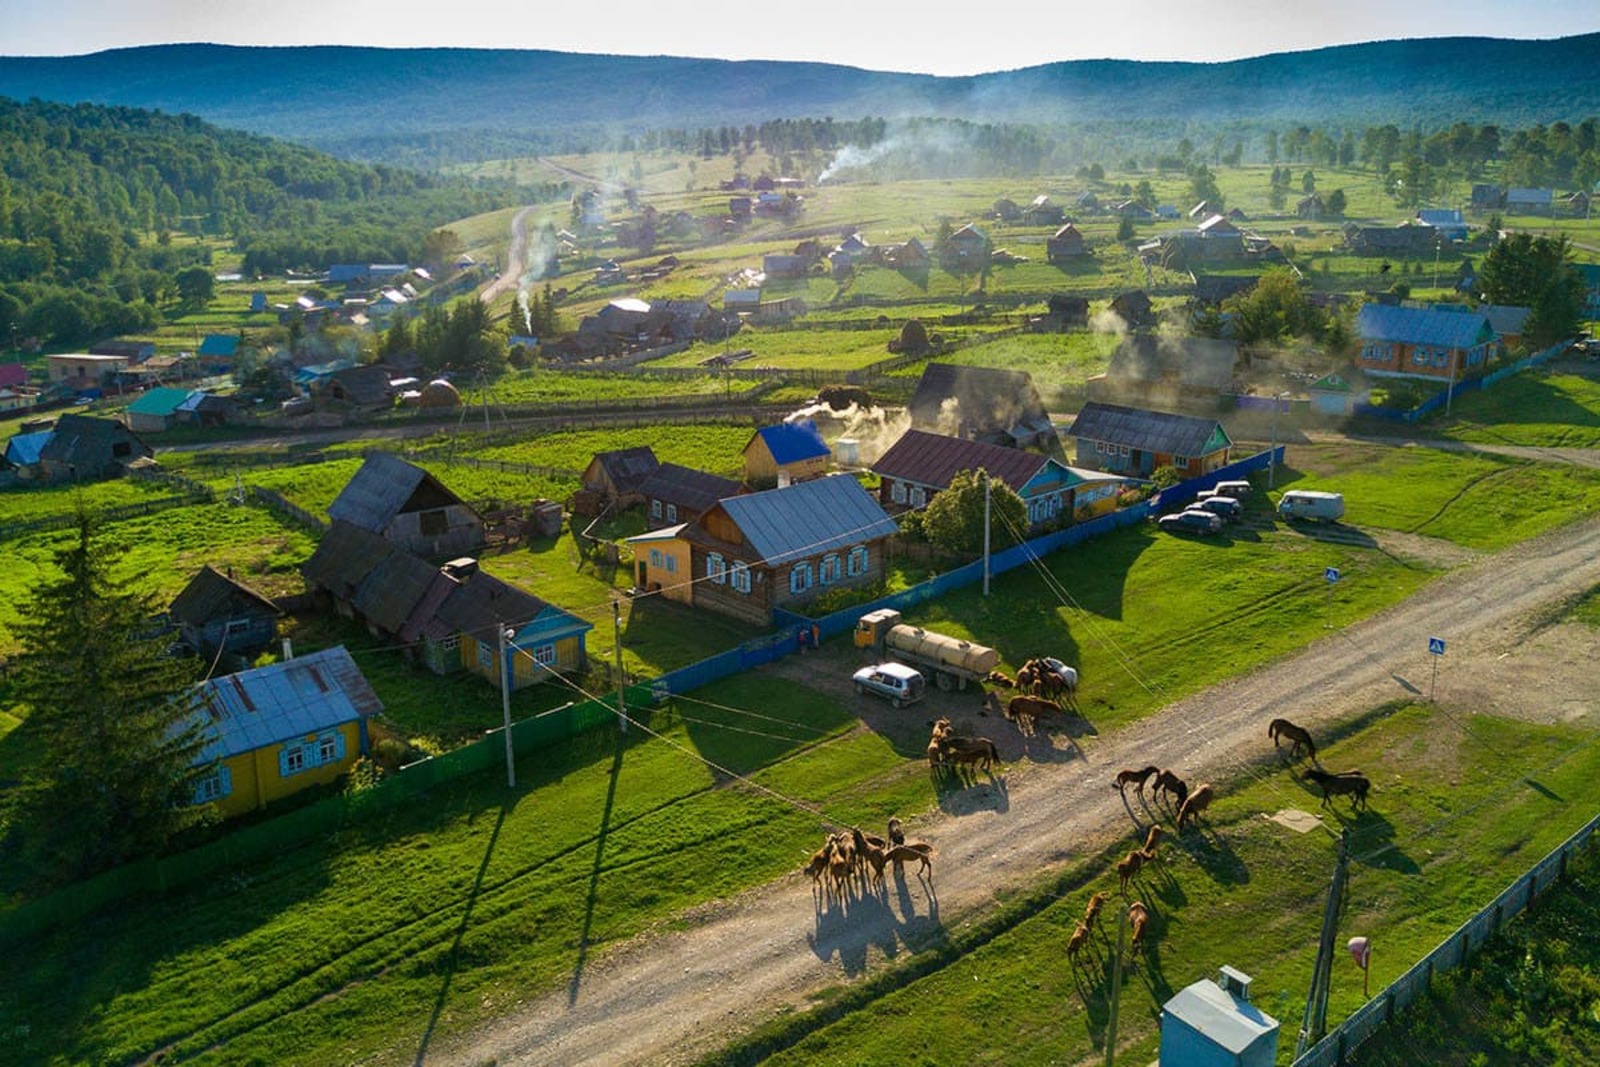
x,y
791,442
23,450
804,519
219,344
269,705
1422,326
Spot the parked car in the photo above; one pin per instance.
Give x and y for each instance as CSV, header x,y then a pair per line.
x,y
1225,507
1193,520
1311,504
900,684
1239,489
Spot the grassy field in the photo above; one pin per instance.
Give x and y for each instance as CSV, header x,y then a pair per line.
x,y
557,387
1246,891
1535,408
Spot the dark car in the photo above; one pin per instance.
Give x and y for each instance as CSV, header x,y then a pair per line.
x,y
1192,521
1225,507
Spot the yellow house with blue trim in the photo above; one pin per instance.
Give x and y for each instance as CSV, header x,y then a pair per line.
x,y
463,631
275,730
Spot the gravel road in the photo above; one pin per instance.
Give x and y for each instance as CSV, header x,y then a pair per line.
x,y
667,998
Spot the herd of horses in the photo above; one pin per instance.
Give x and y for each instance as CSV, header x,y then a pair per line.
x,y
850,857
1352,784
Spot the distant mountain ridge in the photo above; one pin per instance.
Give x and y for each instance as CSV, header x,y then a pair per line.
x,y
338,97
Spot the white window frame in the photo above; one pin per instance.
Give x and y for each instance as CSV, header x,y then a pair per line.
x,y
1180,461
739,577
670,564
545,655
294,759
214,786
655,508
1122,450
897,492
486,654
672,513
655,557
327,749
451,643
919,496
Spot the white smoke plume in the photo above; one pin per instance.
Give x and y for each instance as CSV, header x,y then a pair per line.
x,y
873,428
1108,321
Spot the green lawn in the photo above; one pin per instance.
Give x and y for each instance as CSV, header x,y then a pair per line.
x,y
558,387
1536,408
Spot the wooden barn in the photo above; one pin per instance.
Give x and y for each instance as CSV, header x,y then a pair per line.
x,y
790,450
218,616
275,730
409,508
616,475
785,547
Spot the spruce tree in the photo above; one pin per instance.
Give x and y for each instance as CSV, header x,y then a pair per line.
x,y
103,701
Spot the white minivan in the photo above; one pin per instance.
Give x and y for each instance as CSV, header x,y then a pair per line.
x,y
1311,504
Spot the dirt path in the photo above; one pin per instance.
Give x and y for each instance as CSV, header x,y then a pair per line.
x,y
667,998
516,259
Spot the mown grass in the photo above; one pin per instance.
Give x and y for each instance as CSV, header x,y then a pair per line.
x,y
1454,819
1535,408
1477,501
557,387
32,503
713,447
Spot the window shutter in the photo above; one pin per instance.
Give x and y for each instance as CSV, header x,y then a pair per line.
x,y
283,762
338,745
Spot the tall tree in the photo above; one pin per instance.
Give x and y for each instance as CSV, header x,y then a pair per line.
x,y
116,775
1534,272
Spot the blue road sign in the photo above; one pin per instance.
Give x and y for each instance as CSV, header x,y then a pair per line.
x,y
1331,573
1436,645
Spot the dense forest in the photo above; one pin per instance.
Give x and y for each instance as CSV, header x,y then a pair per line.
x,y
426,106
97,203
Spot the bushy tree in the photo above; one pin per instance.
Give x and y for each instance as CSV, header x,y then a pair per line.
x,y
953,519
196,286
1275,309
1527,271
115,775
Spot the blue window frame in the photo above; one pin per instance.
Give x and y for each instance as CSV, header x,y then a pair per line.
x,y
214,786
832,569
800,577
715,569
311,752
857,562
739,577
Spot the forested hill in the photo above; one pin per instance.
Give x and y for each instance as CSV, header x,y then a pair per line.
x,y
378,102
91,198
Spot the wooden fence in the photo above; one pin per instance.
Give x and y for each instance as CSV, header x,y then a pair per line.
x,y
276,502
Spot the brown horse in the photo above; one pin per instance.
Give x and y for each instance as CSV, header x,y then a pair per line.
x,y
1352,784
918,851
1138,919
1298,736
1191,808
873,850
1079,938
1001,680
1091,910
896,834
979,751
1137,778
1128,868
1152,839
1023,710
1167,782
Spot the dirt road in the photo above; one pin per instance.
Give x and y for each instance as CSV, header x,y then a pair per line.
x,y
667,998
516,259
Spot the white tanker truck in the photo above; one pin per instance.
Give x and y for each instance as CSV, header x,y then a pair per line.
x,y
951,661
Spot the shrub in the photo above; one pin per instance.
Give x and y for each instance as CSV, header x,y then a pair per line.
x,y
839,599
1165,477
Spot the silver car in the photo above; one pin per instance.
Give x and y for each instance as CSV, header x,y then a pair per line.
x,y
902,685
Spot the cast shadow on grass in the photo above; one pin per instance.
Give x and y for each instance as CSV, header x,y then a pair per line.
x,y
1212,854
452,957
1372,843
575,984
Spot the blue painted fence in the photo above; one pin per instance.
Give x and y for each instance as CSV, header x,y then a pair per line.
x,y
792,629
1437,401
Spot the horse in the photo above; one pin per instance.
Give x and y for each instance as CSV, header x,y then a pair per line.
x,y
1128,868
1001,680
1137,778
1023,710
818,863
1091,910
1079,938
979,751
1138,919
1353,784
1191,808
873,850
896,834
1151,840
1026,681
1167,782
1298,736
920,851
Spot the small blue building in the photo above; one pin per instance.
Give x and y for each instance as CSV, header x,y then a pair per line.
x,y
1213,1024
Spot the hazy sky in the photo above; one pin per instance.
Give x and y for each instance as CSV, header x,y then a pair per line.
x,y
935,38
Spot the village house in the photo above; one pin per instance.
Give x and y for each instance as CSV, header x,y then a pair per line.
x,y
1337,393
217,352
1404,240
1508,323
1134,308
912,255
1524,201
1065,245
789,451
156,409
1135,442
920,465
409,508
674,494
1146,370
999,407
78,448
617,474
1041,212
965,249
1422,343
1447,222
783,547
217,615
82,372
276,730
1310,207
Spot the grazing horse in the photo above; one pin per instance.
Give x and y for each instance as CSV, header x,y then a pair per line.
x,y
1079,938
1023,710
1198,801
919,851
1091,910
1353,784
1298,736
1152,839
1137,778
1138,919
1167,782
1128,868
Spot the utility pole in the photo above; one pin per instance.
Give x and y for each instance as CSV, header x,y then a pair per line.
x,y
1272,464
985,533
616,629
1116,989
1315,1023
505,635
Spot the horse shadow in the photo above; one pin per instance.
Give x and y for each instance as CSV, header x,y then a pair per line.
x,y
1040,748
1212,854
958,796
1372,843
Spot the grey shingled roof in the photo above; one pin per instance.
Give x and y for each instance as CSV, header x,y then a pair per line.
x,y
380,490
1148,431
627,467
268,705
687,487
211,593
390,593
343,559
802,520
482,602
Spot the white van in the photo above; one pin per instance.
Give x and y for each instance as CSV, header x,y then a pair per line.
x,y
1311,504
